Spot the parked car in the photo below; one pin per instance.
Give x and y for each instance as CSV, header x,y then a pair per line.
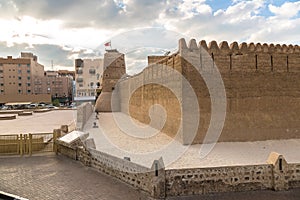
x,y
51,107
32,106
4,107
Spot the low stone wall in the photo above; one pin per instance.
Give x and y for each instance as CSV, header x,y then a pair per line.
x,y
276,175
127,171
8,117
181,182
143,178
294,175
160,183
84,111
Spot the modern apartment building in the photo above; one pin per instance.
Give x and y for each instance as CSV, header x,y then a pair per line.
x,y
24,80
17,78
56,84
87,75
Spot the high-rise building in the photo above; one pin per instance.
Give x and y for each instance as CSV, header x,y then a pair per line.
x,y
87,75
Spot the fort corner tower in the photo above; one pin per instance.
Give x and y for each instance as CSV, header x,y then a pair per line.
x,y
114,69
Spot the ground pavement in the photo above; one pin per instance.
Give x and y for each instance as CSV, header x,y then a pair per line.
x,y
50,177
56,177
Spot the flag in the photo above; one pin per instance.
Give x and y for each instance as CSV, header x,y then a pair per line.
x,y
107,44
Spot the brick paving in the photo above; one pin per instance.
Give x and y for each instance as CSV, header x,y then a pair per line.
x,y
56,177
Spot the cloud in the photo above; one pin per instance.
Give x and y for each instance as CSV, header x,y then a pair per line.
x,y
286,10
93,13
83,26
47,53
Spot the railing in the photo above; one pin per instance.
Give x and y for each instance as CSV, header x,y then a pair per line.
x,y
9,144
27,144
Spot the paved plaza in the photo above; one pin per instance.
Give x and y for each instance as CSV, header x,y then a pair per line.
x,y
38,122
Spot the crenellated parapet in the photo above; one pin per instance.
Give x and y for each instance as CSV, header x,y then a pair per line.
x,y
224,48
244,56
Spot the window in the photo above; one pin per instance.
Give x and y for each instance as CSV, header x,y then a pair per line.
x,y
28,91
92,71
79,80
28,65
20,84
19,71
28,71
1,84
20,91
28,84
28,78
20,78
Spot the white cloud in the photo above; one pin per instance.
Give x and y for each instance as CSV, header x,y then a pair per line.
x,y
75,27
287,10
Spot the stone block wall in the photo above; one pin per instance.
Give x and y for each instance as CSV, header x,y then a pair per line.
x,y
181,182
127,171
294,175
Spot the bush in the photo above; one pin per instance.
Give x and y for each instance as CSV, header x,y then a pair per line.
x,y
55,102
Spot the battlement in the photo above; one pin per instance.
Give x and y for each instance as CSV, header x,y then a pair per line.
x,y
236,48
242,57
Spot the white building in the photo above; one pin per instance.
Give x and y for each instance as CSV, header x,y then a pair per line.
x,y
87,76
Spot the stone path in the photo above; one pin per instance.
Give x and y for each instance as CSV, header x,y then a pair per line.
x,y
52,178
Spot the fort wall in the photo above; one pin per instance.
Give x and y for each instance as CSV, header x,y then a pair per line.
x,y
262,85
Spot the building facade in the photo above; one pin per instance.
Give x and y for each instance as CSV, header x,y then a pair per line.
x,y
17,79
59,86
87,75
24,80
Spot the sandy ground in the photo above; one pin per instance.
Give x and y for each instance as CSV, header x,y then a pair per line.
x,y
38,122
109,138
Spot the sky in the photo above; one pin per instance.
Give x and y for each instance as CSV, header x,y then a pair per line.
x,y
60,31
